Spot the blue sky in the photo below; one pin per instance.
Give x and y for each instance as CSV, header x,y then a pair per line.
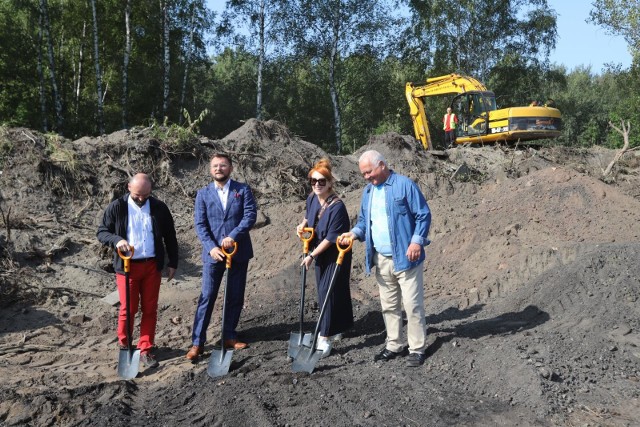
x,y
579,43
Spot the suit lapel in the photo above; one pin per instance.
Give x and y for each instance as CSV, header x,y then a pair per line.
x,y
232,192
214,196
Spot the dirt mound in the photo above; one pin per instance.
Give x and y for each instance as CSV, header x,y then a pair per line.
x,y
531,288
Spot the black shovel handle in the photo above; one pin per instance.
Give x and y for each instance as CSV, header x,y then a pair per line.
x,y
228,256
341,252
305,252
127,268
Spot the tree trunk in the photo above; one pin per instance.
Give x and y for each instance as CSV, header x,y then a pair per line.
x,y
187,60
260,63
332,82
125,64
165,48
43,99
52,66
96,56
80,63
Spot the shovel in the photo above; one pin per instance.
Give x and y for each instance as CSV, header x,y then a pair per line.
x,y
297,339
129,360
220,360
308,356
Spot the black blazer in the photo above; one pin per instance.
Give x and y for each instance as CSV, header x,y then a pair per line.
x,y
114,228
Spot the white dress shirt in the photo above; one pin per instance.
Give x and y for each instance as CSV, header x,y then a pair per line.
x,y
223,193
140,230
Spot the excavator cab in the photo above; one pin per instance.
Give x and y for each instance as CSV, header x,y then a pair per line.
x,y
473,112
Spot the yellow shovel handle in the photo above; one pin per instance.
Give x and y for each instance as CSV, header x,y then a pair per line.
x,y
306,240
342,251
229,255
126,258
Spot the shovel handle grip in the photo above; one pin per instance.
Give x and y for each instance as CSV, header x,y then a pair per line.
x,y
126,258
342,251
229,255
306,240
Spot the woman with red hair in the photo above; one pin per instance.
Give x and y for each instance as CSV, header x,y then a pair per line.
x,y
328,216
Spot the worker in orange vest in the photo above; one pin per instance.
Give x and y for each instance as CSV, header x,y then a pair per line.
x,y
450,121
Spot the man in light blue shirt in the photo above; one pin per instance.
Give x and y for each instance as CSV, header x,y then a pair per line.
x,y
394,222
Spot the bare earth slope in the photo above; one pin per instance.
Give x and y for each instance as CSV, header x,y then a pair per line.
x,y
531,289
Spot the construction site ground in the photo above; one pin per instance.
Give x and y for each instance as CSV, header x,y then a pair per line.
x,y
531,288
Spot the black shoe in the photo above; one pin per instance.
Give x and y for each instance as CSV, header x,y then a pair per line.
x,y
387,355
148,360
415,359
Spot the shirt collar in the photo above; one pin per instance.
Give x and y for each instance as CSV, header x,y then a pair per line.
x,y
225,187
133,204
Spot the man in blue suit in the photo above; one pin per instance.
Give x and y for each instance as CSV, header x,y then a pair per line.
x,y
225,211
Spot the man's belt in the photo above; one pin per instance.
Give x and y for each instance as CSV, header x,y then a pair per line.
x,y
143,259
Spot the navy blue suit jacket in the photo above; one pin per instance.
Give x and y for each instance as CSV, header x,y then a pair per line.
x,y
214,224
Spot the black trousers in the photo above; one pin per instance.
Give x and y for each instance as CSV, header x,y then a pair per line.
x,y
449,138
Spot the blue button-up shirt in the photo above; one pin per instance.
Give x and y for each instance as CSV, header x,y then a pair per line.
x,y
408,219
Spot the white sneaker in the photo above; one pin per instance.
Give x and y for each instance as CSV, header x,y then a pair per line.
x,y
324,345
336,337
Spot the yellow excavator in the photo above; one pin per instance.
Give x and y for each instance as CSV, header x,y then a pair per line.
x,y
479,120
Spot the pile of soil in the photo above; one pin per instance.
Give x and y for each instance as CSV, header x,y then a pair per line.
x,y
531,288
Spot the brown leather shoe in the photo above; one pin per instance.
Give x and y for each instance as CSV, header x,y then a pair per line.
x,y
194,352
234,344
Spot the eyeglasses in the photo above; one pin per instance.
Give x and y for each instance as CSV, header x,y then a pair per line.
x,y
321,182
220,166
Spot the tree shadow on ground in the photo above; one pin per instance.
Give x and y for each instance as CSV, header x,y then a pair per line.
x,y
507,323
452,313
23,318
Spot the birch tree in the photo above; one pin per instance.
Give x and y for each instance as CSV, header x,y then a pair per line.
x,y
43,100
330,30
79,70
263,19
187,60
125,63
619,18
46,26
96,60
166,57
473,36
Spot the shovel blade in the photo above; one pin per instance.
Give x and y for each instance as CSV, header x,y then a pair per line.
x,y
128,364
306,359
219,363
296,341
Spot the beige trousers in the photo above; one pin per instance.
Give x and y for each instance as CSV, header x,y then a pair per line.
x,y
406,289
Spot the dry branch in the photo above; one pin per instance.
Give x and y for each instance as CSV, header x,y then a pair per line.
x,y
625,136
115,166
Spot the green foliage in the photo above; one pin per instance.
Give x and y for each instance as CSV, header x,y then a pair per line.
x,y
590,102
229,92
373,98
60,156
192,126
176,138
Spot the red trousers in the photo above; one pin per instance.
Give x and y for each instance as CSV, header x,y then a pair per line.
x,y
144,289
